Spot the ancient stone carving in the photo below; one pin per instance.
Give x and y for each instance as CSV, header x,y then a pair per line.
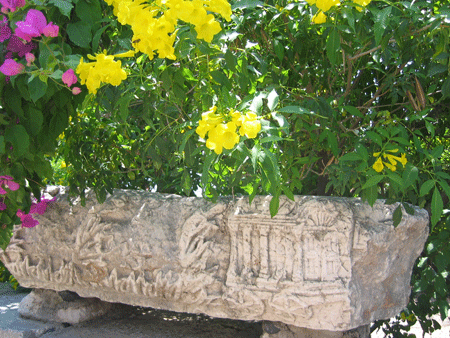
x,y
321,263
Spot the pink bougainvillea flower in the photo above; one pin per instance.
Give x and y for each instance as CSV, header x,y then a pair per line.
x,y
40,207
76,90
34,24
69,77
27,219
2,205
51,30
8,182
11,67
5,31
30,58
11,5
16,45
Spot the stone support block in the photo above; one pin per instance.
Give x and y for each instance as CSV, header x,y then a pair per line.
x,y
321,263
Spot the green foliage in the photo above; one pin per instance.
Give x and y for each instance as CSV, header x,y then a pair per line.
x,y
357,107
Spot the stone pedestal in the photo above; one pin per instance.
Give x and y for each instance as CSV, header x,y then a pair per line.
x,y
321,263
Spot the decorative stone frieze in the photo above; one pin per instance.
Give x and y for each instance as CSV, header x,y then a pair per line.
x,y
321,263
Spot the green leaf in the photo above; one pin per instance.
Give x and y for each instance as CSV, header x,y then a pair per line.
x,y
353,110
186,183
397,215
15,103
123,104
372,181
18,137
274,205
205,172
410,175
230,60
437,207
89,12
97,36
446,88
333,46
255,155
37,89
332,143
2,144
288,192
375,138
294,110
279,49
371,194
271,139
409,210
272,100
445,187
34,120
426,187
257,103
394,177
381,22
57,74
243,4
64,6
350,157
79,33
442,174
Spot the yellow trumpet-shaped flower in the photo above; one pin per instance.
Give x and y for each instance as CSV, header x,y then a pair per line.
x,y
250,125
391,162
319,18
220,129
103,69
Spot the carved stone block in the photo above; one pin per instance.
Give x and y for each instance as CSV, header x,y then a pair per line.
x,y
321,263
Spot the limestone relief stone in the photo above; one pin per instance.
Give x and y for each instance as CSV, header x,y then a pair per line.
x,y
321,263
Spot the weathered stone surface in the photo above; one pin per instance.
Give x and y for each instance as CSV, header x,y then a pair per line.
x,y
322,263
281,330
49,306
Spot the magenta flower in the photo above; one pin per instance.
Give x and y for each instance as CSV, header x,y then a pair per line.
x,y
16,45
8,182
69,77
27,219
40,207
2,205
11,5
30,58
34,24
5,31
76,90
51,30
11,67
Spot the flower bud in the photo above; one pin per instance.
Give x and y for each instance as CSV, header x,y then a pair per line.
x,y
76,90
30,58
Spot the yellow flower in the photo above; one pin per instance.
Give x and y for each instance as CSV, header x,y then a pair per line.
x,y
250,126
378,165
208,28
103,69
222,136
221,129
325,5
392,160
361,3
319,18
209,120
